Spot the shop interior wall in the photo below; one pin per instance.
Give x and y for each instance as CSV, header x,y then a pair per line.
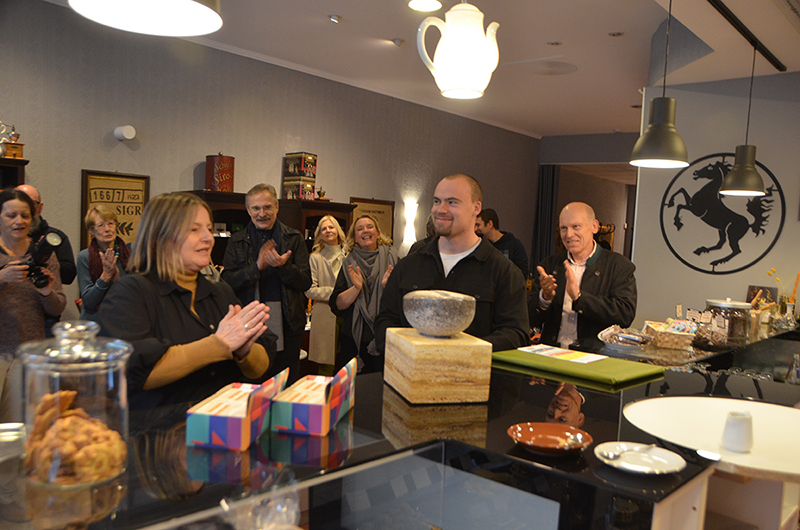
x,y
607,198
68,82
711,118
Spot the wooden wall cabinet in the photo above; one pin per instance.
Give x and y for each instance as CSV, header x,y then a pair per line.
x,y
12,171
301,215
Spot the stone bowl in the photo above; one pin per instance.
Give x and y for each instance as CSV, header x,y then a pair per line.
x,y
439,313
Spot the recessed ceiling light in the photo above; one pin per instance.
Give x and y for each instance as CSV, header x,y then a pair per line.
x,y
616,34
398,42
554,43
334,18
425,6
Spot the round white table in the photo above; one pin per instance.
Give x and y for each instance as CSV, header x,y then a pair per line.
x,y
697,423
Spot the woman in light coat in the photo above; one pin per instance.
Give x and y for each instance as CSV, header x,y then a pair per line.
x,y
325,261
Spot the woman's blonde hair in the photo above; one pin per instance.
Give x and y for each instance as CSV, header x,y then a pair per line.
x,y
319,244
166,222
101,210
351,240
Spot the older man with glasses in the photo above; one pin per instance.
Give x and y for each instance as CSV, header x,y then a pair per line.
x,y
268,261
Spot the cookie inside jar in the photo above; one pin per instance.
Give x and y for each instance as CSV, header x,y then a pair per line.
x,y
76,411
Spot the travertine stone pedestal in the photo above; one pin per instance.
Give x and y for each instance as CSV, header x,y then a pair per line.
x,y
435,370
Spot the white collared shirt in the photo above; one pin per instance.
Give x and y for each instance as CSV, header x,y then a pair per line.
x,y
568,331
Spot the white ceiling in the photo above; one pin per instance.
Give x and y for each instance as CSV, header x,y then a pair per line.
x,y
598,97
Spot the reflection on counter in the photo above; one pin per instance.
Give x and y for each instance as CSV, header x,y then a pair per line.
x,y
405,424
161,464
53,507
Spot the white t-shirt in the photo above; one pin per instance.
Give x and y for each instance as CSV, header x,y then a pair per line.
x,y
449,260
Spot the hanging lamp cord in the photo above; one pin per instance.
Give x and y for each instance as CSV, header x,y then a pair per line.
x,y
750,98
666,53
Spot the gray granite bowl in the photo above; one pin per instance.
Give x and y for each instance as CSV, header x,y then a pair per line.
x,y
439,313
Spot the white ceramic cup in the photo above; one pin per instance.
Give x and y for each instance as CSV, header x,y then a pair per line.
x,y
738,433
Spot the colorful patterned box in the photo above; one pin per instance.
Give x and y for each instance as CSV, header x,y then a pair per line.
x,y
234,416
315,403
327,452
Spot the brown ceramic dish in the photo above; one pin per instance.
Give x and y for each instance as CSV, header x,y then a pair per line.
x,y
549,438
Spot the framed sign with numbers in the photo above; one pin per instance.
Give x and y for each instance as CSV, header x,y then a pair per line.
x,y
124,194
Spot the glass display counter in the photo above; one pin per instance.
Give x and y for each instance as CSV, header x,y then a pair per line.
x,y
167,484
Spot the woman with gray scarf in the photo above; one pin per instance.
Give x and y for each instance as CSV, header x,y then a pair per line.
x,y
357,294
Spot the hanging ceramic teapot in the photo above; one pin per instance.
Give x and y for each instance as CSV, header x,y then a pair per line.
x,y
465,56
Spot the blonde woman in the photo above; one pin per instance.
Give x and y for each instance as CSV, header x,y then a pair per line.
x,y
357,294
101,263
190,336
325,260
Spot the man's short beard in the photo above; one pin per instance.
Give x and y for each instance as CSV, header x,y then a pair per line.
x,y
444,231
36,222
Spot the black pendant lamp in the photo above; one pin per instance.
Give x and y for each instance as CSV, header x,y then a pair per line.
x,y
660,146
743,179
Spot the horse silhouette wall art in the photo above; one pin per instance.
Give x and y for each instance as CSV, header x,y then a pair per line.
x,y
717,234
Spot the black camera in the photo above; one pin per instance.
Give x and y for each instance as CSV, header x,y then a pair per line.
x,y
40,253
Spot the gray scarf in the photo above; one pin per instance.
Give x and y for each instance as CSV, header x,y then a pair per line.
x,y
373,266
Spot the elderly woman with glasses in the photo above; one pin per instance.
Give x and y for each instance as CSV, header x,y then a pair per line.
x,y
103,262
190,337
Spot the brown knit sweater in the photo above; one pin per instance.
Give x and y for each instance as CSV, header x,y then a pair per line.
x,y
22,308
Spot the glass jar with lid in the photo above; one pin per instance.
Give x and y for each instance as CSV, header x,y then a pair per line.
x,y
731,316
76,406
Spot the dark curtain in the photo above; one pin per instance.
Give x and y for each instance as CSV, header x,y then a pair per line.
x,y
544,227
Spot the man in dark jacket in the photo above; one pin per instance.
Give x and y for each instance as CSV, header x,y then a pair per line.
x,y
268,261
460,261
488,225
40,227
583,290
63,252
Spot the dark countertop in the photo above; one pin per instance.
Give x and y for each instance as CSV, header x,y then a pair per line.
x,y
165,480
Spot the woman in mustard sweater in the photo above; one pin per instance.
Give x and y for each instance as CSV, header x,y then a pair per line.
x,y
190,336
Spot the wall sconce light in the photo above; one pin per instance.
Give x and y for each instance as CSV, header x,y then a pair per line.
x,y
743,179
660,146
167,18
465,56
125,132
410,214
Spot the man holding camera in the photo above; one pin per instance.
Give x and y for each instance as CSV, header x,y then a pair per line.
x,y
40,227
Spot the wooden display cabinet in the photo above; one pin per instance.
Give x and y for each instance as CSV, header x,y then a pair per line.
x,y
301,215
305,215
12,171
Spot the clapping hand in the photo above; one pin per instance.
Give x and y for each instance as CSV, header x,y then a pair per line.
x,y
573,287
110,271
355,277
242,326
548,284
386,275
268,256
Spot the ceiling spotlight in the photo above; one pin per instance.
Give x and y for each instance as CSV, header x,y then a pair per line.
x,y
554,43
616,34
425,6
334,18
398,42
168,18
